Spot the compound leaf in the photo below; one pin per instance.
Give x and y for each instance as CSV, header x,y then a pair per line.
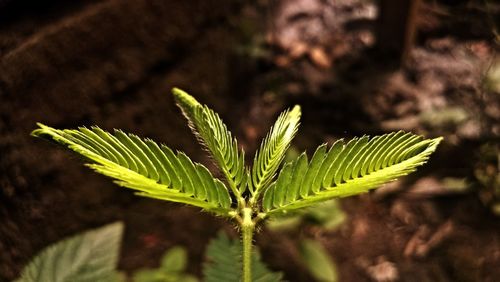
x,y
348,169
213,133
272,150
153,170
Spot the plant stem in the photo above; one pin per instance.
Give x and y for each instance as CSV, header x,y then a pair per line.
x,y
247,227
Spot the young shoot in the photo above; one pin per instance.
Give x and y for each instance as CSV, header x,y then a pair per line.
x,y
247,195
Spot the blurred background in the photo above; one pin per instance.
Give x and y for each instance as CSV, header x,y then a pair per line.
x,y
356,67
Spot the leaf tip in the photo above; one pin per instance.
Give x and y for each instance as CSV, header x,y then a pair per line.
x,y
39,132
438,140
296,110
433,143
183,97
178,91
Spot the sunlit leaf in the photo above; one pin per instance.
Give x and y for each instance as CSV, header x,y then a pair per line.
x,y
153,170
273,149
346,169
213,133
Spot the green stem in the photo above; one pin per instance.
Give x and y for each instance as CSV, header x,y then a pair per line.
x,y
248,228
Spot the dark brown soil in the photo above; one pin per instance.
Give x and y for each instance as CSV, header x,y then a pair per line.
x,y
112,63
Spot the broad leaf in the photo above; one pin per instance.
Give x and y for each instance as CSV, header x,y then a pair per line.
x,y
346,169
225,263
143,165
213,133
90,256
272,150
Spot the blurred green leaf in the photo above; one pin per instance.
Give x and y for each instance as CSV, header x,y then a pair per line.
x,y
148,275
171,269
225,262
284,222
156,275
447,118
328,215
89,256
291,154
174,260
487,175
492,79
318,261
455,184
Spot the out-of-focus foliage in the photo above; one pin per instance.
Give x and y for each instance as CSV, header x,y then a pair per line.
x,y
487,174
89,256
492,78
225,262
318,261
327,215
444,119
172,268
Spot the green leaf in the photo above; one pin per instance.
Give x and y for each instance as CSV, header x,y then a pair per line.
x,y
328,215
318,261
175,259
225,263
90,256
153,170
349,169
150,275
213,133
273,150
171,269
156,275
284,223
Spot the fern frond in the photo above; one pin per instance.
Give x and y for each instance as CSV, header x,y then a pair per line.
x,y
346,169
213,133
272,150
143,165
225,263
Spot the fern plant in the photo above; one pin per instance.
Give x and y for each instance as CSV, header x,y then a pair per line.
x,y
246,195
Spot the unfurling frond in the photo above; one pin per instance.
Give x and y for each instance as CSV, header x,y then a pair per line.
x,y
143,165
346,169
213,133
272,150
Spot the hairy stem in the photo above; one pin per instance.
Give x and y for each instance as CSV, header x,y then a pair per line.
x,y
247,227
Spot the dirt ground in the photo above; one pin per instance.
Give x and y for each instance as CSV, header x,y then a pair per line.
x,y
112,64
